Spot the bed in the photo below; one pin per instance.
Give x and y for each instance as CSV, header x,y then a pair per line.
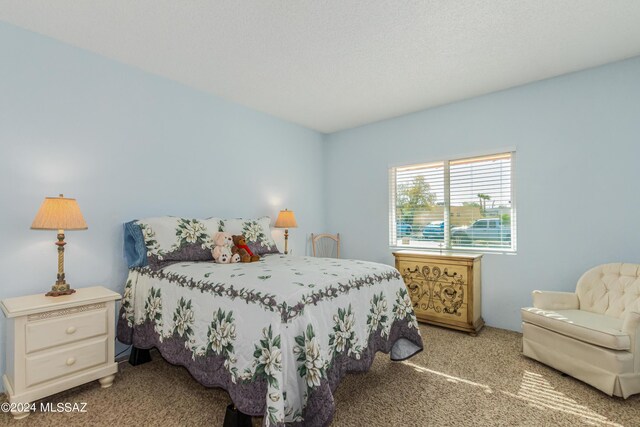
x,y
278,334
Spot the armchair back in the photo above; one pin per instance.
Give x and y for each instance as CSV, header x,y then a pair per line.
x,y
610,289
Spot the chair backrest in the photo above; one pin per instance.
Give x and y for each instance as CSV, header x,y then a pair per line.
x,y
326,245
610,289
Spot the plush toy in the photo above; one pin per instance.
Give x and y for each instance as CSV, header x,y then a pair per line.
x,y
240,248
221,251
223,255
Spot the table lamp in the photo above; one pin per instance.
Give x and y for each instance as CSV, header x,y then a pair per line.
x,y
59,213
286,219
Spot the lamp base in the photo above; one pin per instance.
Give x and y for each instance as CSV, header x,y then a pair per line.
x,y
286,240
59,294
58,290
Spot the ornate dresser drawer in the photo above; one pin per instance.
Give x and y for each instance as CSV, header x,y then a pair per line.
x,y
444,288
56,343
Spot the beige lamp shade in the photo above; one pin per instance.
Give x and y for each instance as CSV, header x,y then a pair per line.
x,y
59,213
286,219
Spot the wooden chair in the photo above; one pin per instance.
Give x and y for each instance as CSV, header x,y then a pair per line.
x,y
326,245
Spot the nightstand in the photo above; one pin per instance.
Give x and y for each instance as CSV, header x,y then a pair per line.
x,y
56,343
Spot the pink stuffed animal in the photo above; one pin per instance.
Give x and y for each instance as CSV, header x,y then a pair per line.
x,y
222,249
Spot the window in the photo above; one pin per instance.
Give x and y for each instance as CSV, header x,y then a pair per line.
x,y
454,204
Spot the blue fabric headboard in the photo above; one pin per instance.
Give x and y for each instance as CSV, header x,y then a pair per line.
x,y
134,249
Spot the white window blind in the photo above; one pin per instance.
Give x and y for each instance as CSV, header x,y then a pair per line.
x,y
454,204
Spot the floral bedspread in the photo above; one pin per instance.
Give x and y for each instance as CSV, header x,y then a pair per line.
x,y
278,334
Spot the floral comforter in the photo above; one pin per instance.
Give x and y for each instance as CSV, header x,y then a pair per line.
x,y
278,334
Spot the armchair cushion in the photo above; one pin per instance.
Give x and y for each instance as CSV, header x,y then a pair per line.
x,y
610,289
598,329
549,300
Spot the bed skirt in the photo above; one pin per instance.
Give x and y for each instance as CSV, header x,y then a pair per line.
x,y
402,342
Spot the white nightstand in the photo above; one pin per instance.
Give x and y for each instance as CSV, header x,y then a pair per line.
x,y
56,343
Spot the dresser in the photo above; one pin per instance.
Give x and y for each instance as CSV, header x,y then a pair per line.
x,y
444,288
56,343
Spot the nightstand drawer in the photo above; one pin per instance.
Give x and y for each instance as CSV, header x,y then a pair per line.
x,y
67,328
64,361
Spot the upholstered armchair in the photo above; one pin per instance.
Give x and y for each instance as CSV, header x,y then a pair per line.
x,y
592,334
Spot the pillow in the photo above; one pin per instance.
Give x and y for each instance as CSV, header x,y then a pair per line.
x,y
256,231
134,249
171,239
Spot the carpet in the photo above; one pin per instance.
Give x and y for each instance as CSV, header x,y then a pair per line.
x,y
458,380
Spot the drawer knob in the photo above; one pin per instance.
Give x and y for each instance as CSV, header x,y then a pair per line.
x,y
71,330
71,361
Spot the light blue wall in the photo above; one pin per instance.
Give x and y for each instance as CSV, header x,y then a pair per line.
x,y
128,144
577,174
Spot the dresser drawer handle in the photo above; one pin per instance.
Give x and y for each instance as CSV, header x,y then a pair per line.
x,y
71,361
71,330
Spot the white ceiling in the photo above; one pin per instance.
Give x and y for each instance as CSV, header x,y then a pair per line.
x,y
335,64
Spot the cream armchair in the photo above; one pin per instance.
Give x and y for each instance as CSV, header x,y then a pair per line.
x,y
592,334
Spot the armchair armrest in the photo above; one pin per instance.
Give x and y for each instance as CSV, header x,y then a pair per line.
x,y
630,322
631,326
549,300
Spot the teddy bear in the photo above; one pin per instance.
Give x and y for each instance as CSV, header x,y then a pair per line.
x,y
223,255
221,251
241,249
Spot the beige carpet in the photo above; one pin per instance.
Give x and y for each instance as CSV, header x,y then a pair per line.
x,y
457,381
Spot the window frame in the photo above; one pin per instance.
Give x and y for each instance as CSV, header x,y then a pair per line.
x,y
447,243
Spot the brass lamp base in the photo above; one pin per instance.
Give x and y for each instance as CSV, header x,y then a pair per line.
x,y
286,240
60,289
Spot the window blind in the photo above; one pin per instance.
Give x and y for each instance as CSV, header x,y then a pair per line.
x,y
454,204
